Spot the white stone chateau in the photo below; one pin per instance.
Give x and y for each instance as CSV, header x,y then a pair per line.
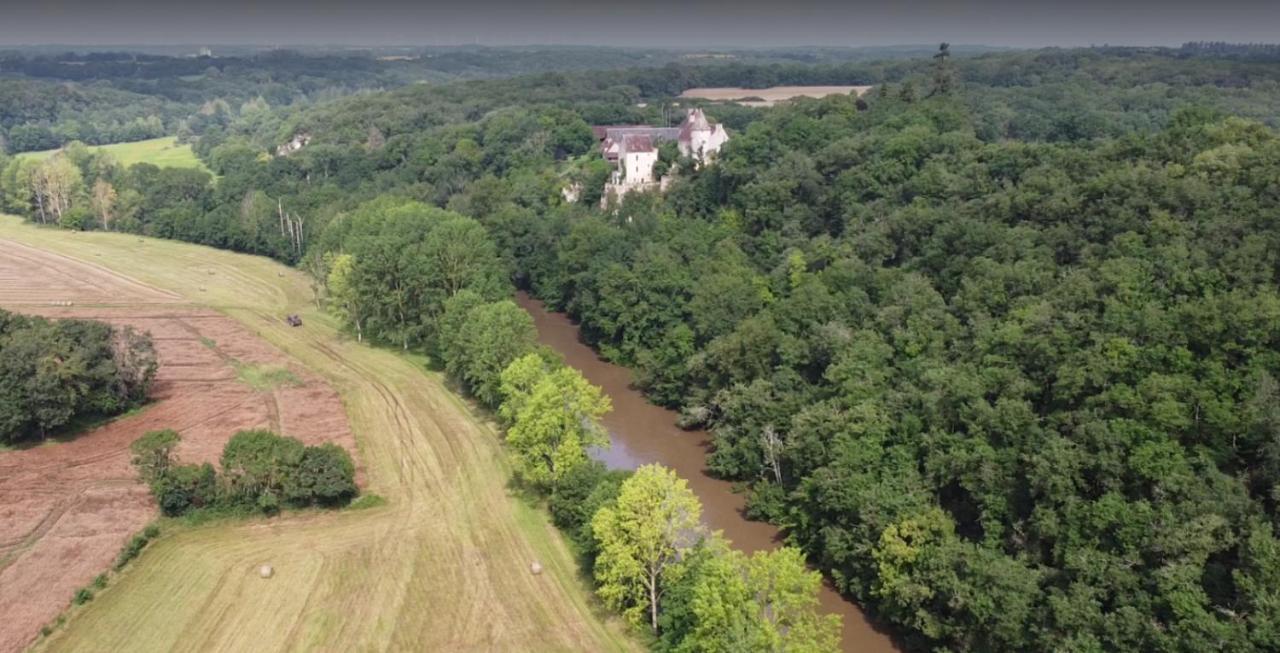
x,y
633,149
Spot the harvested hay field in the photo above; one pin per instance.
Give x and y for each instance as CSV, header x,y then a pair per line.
x,y
31,279
164,152
768,97
66,508
443,565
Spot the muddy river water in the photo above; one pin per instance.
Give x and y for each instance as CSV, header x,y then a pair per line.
x,y
642,433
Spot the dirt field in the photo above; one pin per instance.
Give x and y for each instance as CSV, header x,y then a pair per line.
x,y
66,508
443,566
769,96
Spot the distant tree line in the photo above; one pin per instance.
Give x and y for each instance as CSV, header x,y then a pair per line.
x,y
54,372
78,188
514,142
50,99
1268,51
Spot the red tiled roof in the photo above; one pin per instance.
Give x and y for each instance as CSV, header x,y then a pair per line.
x,y
637,143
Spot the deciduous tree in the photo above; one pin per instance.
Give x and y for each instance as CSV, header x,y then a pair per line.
x,y
153,453
104,202
641,539
346,300
765,602
493,336
555,423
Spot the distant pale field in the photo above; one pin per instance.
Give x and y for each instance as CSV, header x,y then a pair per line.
x,y
443,566
769,96
163,152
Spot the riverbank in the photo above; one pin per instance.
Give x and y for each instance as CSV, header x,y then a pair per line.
x,y
642,433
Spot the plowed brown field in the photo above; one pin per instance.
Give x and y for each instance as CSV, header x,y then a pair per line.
x,y
66,508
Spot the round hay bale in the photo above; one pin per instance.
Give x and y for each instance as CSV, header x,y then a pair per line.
x,y
535,568
266,571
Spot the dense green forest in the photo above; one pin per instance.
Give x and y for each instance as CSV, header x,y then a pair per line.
x,y
55,372
1011,394
997,344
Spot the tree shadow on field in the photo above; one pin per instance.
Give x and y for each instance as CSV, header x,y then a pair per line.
x,y
79,426
525,493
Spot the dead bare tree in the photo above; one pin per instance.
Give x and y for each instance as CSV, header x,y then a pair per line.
x,y
104,201
771,443
291,227
54,182
39,195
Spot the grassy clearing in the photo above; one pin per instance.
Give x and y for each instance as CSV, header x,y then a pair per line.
x,y
265,377
164,152
442,565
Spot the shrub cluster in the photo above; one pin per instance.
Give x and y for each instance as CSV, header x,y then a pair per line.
x,y
260,471
135,545
54,372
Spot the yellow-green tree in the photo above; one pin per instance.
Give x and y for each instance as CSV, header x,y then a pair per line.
x,y
641,539
765,602
345,299
555,417
785,593
910,558
518,382
724,615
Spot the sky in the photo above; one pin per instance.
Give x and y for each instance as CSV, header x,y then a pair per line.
x,y
668,23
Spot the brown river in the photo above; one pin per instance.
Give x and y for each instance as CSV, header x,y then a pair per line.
x,y
642,433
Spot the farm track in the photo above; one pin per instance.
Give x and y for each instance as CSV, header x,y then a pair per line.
x,y
443,566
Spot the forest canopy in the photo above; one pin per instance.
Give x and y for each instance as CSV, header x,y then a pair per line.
x,y
1012,395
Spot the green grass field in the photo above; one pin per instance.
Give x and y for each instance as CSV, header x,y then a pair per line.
x,y
442,566
164,152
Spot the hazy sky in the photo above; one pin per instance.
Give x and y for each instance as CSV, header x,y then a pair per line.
x,y
636,22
